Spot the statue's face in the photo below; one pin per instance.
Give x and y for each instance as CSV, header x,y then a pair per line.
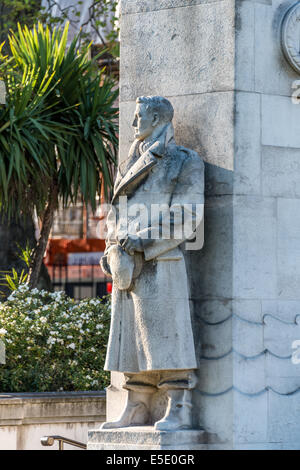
x,y
144,121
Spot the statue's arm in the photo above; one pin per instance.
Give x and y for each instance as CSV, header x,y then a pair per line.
x,y
187,199
110,239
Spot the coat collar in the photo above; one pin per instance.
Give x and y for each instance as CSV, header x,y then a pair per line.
x,y
142,157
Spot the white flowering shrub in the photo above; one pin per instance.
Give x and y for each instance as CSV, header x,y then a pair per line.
x,y
53,342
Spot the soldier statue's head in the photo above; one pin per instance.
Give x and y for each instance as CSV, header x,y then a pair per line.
x,y
152,113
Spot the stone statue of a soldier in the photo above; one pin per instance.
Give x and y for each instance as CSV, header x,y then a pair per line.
x,y
151,339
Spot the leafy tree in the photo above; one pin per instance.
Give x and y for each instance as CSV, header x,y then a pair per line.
x,y
58,130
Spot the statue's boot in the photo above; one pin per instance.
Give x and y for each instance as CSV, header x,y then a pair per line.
x,y
135,413
179,412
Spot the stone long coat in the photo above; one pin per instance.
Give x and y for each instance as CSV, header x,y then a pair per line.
x,y
151,323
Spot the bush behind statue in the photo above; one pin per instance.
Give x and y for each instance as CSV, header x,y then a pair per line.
x,y
53,342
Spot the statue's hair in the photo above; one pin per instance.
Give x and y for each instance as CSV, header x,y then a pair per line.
x,y
159,105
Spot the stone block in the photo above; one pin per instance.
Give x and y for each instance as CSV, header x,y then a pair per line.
x,y
254,247
288,248
284,418
247,338
281,172
166,60
142,6
215,376
218,180
250,418
285,310
279,336
215,413
280,122
249,374
146,438
247,166
245,41
213,264
246,309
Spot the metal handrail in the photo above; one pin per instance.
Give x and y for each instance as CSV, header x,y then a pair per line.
x,y
49,441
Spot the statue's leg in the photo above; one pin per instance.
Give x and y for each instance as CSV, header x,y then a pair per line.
x,y
178,386
140,388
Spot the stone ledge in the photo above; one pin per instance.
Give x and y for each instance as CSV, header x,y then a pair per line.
x,y
17,409
146,438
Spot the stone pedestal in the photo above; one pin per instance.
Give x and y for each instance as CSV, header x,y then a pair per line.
x,y
146,438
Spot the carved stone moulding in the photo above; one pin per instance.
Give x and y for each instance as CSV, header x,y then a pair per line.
x,y
290,36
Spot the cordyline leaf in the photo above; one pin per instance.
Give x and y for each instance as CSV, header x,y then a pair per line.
x,y
58,124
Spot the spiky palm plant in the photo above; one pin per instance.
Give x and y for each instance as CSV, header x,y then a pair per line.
x,y
58,130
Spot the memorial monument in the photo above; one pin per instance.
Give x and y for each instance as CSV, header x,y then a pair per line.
x,y
231,70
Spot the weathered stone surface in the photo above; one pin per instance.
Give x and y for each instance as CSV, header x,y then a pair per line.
x,y
288,248
281,172
142,6
284,418
255,265
247,338
279,336
214,141
249,374
247,163
216,375
152,70
280,122
285,310
213,265
146,438
250,418
245,45
249,310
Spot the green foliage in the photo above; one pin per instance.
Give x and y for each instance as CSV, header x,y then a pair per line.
x,y
101,22
58,125
12,280
53,342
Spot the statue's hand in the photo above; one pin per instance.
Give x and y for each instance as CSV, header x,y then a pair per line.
x,y
131,245
105,266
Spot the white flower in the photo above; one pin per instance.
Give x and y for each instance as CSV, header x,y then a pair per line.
x,y
43,319
51,340
71,346
3,331
23,288
99,327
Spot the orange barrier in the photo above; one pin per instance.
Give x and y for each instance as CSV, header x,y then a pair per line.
x,y
58,248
